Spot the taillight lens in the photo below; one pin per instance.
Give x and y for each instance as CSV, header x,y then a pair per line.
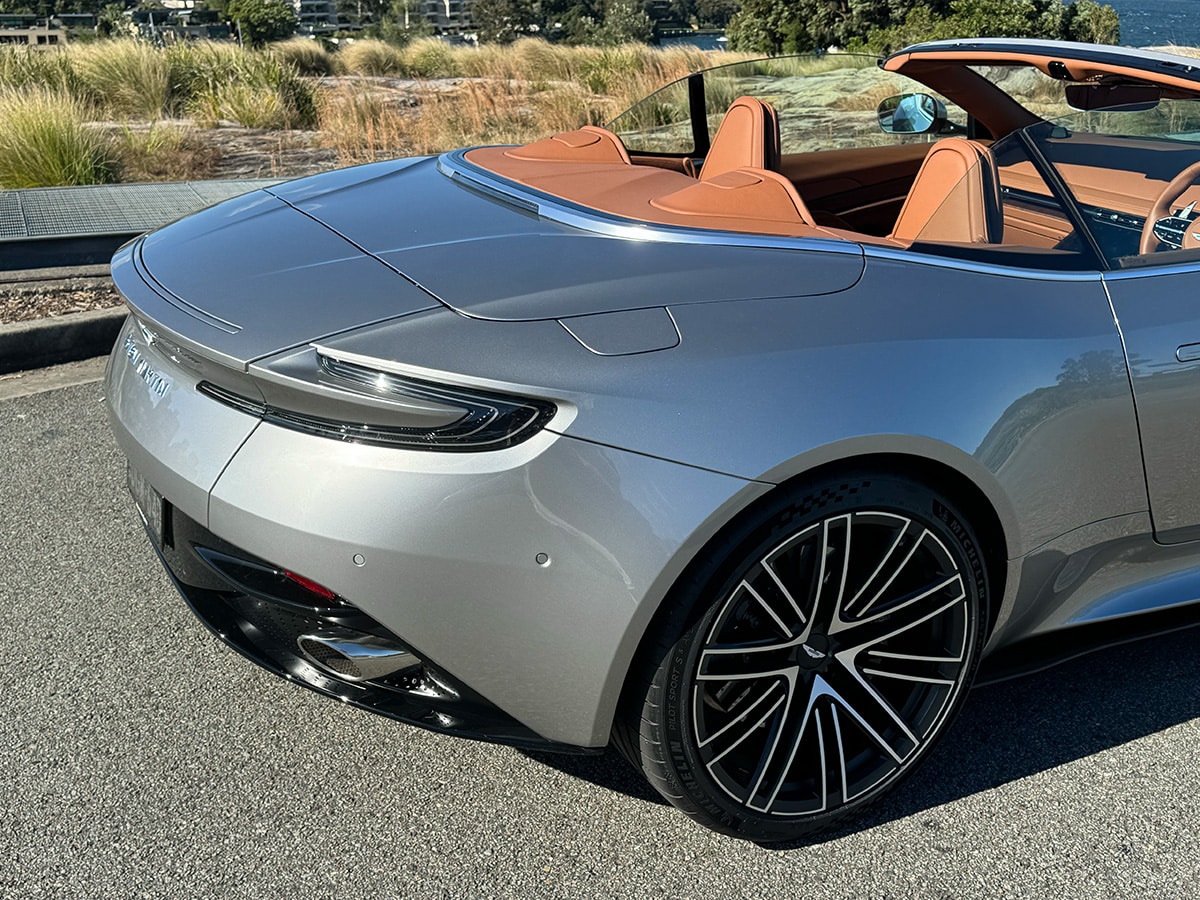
x,y
388,409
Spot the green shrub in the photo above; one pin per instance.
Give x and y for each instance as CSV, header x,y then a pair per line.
x,y
429,58
44,141
306,56
372,57
1087,20
216,81
20,66
125,78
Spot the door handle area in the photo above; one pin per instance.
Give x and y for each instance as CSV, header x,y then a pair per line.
x,y
1188,352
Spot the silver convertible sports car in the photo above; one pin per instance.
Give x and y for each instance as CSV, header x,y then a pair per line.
x,y
735,434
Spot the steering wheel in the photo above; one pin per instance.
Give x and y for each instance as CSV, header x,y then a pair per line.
x,y
1162,210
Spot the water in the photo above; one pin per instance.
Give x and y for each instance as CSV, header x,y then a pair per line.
x,y
1144,23
1153,23
704,41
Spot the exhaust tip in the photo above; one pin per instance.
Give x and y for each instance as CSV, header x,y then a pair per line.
x,y
361,657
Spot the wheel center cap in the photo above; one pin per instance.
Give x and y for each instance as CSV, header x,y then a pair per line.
x,y
814,653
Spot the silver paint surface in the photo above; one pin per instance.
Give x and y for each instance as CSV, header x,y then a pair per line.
x,y
1159,315
456,538
691,378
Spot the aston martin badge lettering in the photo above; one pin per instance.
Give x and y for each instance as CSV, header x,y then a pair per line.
x,y
158,383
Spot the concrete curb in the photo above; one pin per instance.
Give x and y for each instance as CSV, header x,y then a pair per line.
x,y
62,273
59,339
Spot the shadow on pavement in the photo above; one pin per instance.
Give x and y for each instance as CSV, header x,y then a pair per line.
x,y
1007,731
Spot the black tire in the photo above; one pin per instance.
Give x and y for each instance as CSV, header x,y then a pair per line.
x,y
788,682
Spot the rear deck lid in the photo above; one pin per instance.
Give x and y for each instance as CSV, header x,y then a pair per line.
x,y
491,255
253,276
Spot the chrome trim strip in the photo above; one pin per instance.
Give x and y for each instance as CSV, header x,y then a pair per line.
x,y
896,254
455,166
1181,268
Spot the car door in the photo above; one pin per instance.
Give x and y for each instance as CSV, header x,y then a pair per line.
x,y
1158,310
1127,171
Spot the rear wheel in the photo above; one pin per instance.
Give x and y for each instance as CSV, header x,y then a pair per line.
x,y
812,660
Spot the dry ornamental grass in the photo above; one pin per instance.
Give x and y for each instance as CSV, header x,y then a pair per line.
x,y
369,100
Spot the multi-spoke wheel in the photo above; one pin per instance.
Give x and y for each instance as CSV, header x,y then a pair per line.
x,y
809,664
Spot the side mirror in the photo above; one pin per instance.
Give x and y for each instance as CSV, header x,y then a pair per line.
x,y
1124,97
912,114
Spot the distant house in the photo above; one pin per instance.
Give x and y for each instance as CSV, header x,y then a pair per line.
x,y
30,31
316,16
179,20
447,16
74,21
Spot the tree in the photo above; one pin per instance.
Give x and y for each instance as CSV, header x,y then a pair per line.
x,y
796,26
624,22
501,21
365,11
571,22
263,21
402,24
716,12
793,26
113,22
1087,20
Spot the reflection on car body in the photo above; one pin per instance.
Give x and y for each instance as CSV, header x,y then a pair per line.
x,y
735,434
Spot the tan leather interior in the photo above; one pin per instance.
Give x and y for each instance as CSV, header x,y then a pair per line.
x,y
955,197
861,187
751,201
739,189
1028,227
745,193
587,144
1121,184
609,187
748,138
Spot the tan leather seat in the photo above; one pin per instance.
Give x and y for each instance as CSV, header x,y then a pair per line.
x,y
748,138
955,197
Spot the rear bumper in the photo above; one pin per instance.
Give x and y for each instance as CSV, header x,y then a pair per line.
x,y
250,605
523,578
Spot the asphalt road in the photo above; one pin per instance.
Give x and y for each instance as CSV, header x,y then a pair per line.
x,y
143,759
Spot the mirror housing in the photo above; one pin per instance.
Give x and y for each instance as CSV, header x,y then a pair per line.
x,y
912,114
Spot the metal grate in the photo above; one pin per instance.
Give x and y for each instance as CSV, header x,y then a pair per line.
x,y
11,220
110,209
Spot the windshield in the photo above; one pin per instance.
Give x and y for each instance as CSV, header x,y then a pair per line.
x,y
1130,173
824,101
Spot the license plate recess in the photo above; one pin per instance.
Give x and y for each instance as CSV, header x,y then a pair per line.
x,y
150,504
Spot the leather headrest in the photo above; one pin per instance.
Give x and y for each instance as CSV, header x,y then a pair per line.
x,y
748,137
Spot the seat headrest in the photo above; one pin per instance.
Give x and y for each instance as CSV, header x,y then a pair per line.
x,y
748,137
955,197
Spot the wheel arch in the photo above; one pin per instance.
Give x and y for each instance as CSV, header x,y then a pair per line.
x,y
984,511
969,498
